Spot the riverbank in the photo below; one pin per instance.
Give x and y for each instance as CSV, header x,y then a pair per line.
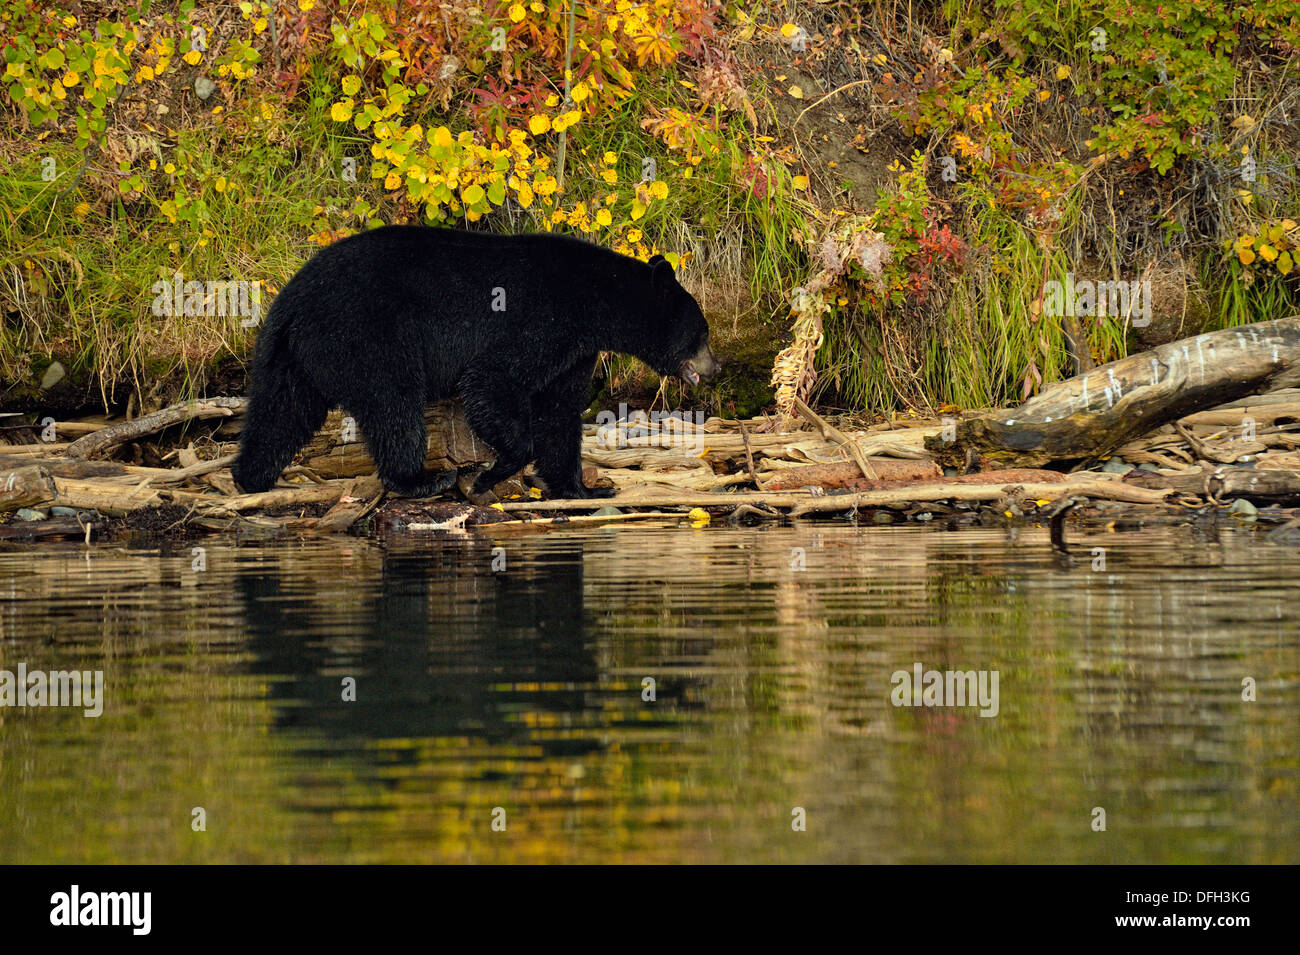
x,y
1239,461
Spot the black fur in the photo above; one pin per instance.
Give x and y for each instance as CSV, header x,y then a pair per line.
x,y
383,322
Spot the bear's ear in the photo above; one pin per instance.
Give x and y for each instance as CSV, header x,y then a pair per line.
x,y
661,270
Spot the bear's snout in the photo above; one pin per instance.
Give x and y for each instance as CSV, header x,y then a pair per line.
x,y
700,367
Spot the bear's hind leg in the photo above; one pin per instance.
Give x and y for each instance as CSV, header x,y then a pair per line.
x,y
284,412
397,439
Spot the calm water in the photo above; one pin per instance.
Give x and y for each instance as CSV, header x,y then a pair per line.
x,y
521,691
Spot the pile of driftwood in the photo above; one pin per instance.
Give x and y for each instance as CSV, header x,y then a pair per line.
x,y
1205,423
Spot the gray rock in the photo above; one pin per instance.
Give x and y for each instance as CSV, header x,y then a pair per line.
x,y
1116,466
28,514
1243,509
53,375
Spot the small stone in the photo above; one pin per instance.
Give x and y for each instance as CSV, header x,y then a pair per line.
x,y
1243,509
53,375
1116,466
606,511
203,87
63,511
28,514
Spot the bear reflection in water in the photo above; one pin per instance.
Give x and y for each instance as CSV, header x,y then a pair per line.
x,y
435,649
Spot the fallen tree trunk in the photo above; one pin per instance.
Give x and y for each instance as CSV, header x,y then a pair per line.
x,y
25,486
1091,415
1267,485
338,449
105,440
115,500
328,493
850,475
802,502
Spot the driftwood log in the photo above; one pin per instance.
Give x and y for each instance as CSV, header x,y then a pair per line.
x,y
25,486
801,502
1265,485
849,474
102,442
1093,414
338,449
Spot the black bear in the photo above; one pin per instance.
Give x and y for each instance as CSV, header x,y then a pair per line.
x,y
382,322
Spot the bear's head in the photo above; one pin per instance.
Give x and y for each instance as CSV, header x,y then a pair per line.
x,y
685,341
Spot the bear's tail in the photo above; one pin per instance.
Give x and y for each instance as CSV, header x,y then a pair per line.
x,y
284,411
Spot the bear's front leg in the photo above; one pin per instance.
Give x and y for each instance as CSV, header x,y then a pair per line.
x,y
501,420
557,432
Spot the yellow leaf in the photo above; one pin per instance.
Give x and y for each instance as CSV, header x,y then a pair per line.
x,y
473,195
442,137
699,516
796,92
1246,256
1267,252
517,12
788,30
1062,72
638,209
1285,263
193,57
341,112
659,189
612,158
539,124
81,210
603,218
800,182
71,79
